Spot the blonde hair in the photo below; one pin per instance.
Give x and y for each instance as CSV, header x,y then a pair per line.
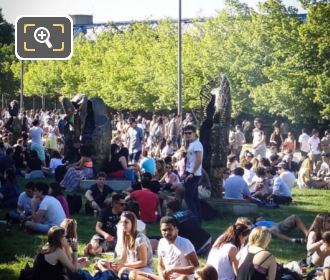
x,y
260,237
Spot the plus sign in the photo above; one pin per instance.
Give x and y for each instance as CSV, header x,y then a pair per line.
x,y
41,34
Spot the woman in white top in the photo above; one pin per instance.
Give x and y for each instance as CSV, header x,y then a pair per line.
x,y
223,253
259,139
136,254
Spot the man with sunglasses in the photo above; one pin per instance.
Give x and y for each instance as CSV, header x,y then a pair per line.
x,y
193,170
106,233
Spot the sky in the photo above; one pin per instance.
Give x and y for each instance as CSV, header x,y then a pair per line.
x,y
119,10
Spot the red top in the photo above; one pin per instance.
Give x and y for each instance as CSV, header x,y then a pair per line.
x,y
148,203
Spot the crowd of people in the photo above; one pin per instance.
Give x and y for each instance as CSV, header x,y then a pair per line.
x,y
162,158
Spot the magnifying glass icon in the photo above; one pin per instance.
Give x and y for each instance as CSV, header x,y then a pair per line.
x,y
41,35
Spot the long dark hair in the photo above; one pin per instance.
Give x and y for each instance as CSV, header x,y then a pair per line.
x,y
55,235
318,225
129,239
231,235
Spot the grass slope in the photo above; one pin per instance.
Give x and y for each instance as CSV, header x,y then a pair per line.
x,y
17,247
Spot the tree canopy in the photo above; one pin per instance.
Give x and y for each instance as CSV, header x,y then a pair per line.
x,y
276,63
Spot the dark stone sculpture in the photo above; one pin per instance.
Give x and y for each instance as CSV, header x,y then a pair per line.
x,y
86,122
214,132
13,124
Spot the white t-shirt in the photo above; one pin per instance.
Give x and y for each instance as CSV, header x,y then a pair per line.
x,y
174,255
219,259
191,157
303,140
36,135
54,211
55,162
288,178
315,145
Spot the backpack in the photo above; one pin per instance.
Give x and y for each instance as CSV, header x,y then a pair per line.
x,y
75,203
207,212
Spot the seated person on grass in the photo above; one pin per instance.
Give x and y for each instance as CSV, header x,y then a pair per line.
x,y
171,181
52,258
97,195
106,233
320,225
148,202
56,191
281,193
177,258
136,252
323,251
50,212
280,229
235,186
9,189
23,211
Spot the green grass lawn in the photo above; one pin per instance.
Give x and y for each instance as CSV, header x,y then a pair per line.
x,y
17,247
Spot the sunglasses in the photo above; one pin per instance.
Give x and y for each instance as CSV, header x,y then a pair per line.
x,y
188,133
121,204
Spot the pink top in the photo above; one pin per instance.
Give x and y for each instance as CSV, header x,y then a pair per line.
x,y
172,178
64,204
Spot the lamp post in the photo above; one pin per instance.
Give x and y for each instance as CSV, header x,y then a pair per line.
x,y
179,62
21,101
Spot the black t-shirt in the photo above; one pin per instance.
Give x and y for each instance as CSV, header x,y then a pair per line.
x,y
189,228
114,164
98,196
109,221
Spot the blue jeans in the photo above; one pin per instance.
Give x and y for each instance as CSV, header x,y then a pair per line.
x,y
191,196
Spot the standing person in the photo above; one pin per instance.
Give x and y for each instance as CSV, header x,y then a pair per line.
x,y
276,138
289,143
49,213
223,253
35,133
173,131
315,147
303,142
134,138
52,133
193,170
259,139
240,140
325,142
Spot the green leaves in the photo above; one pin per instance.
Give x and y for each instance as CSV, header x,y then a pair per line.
x,y
276,64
